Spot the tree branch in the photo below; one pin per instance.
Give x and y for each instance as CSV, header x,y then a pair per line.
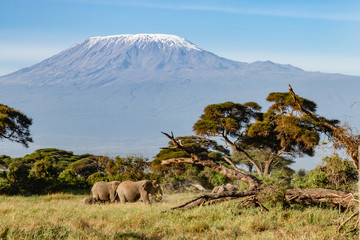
x,y
340,134
240,150
252,181
233,165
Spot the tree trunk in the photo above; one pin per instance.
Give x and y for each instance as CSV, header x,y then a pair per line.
x,y
320,195
252,181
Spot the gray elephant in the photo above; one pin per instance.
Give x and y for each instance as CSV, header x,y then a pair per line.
x,y
105,191
129,191
89,200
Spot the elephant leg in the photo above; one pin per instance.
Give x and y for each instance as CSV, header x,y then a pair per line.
x,y
145,198
113,197
122,198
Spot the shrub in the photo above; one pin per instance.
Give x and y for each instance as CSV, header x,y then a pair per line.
x,y
69,178
334,173
5,186
96,177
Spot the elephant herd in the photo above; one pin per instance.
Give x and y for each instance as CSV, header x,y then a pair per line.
x,y
127,191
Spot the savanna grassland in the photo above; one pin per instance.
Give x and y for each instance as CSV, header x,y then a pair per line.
x,y
63,216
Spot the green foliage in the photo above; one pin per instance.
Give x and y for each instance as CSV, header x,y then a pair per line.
x,y
14,125
279,178
46,168
96,177
68,178
273,196
340,172
18,172
226,117
130,167
83,167
5,186
316,179
334,173
4,161
283,101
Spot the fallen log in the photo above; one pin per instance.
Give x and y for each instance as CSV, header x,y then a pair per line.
x,y
301,196
321,195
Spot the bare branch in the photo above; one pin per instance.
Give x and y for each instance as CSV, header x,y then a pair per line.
x,y
233,165
177,160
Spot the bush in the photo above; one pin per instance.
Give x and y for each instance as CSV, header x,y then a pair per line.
x,y
5,186
96,177
273,196
68,178
334,173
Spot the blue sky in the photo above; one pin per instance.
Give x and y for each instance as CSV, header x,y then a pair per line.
x,y
321,35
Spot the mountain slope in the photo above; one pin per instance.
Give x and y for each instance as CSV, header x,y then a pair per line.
x,y
113,95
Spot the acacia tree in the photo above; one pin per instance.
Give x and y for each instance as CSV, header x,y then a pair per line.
x,y
279,131
14,125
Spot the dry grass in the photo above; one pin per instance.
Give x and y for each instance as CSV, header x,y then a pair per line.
x,y
62,216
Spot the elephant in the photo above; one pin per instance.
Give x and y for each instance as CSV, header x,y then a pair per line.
x,y
89,200
231,188
228,188
105,191
129,191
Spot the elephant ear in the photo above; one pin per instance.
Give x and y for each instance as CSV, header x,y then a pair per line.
x,y
147,186
114,185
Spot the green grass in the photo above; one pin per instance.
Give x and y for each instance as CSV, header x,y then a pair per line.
x,y
62,216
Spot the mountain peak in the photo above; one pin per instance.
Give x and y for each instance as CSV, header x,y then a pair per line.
x,y
143,40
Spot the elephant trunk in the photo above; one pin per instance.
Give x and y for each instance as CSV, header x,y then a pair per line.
x,y
160,191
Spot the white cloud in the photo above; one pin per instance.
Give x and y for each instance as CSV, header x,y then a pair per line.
x,y
283,9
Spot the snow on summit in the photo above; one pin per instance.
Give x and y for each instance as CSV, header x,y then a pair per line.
x,y
142,40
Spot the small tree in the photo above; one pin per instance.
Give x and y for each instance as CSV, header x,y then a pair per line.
x,y
14,125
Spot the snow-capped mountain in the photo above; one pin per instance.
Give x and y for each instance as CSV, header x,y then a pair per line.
x,y
113,95
99,61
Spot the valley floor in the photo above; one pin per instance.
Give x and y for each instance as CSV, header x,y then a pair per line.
x,y
63,216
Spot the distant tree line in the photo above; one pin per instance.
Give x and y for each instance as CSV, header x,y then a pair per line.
x,y
53,170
